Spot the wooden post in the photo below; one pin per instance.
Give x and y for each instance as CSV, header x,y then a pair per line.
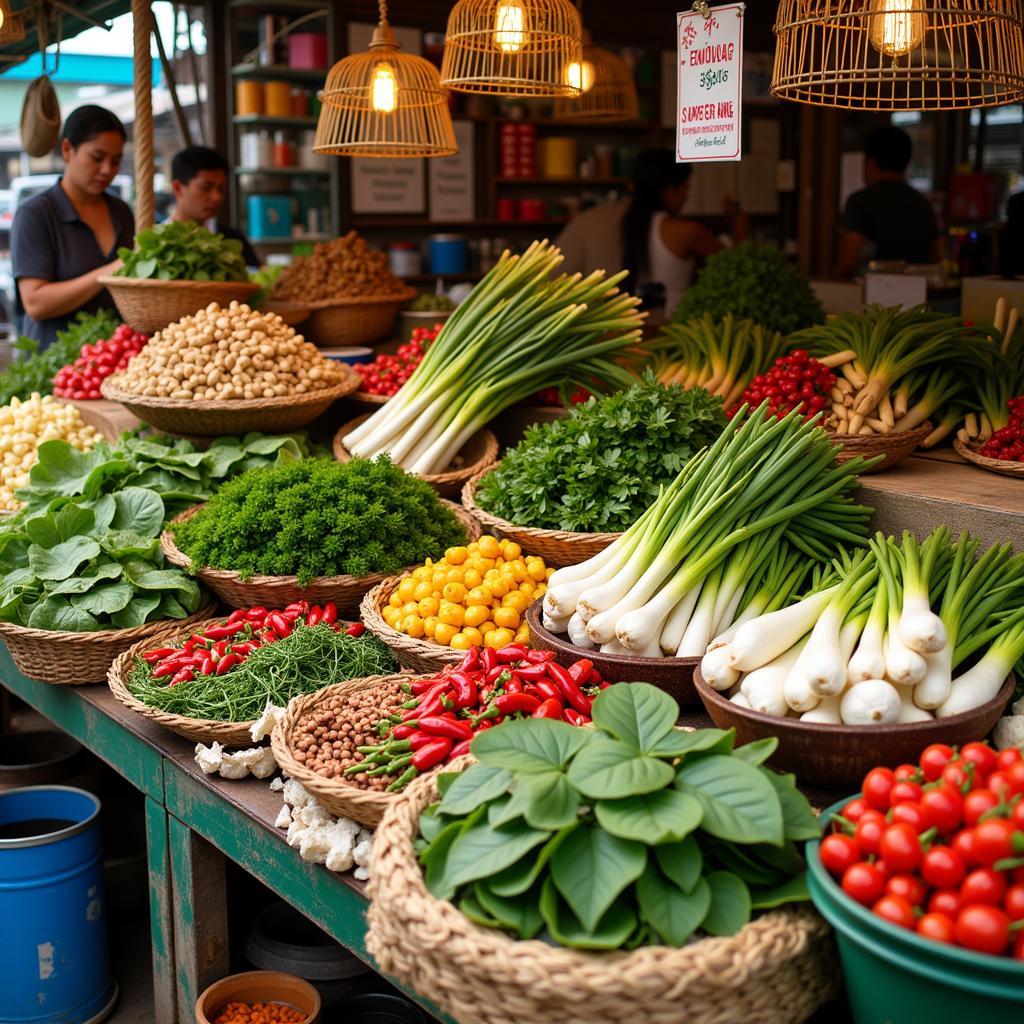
x,y
145,203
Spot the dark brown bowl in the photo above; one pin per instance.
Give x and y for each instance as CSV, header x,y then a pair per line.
x,y
673,675
839,756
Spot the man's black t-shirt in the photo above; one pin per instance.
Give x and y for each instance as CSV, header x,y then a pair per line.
x,y
896,218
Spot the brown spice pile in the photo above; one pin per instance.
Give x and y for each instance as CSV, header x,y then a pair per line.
x,y
344,268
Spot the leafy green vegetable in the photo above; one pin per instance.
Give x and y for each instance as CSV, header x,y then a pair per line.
x,y
756,281
183,251
630,833
600,467
317,518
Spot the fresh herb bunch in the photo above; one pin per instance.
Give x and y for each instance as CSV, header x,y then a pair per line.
x,y
631,833
183,251
753,281
35,372
310,658
601,466
318,518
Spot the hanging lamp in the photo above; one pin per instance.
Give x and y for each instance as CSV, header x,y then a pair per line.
x,y
608,92
384,103
12,26
890,55
513,48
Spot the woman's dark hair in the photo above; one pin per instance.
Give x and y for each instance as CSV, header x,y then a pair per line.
x,y
653,171
85,123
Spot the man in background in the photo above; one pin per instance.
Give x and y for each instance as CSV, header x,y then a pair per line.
x,y
887,220
199,178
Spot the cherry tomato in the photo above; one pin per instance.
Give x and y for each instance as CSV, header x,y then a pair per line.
x,y
1015,773
854,809
942,867
983,756
869,831
938,927
983,928
1017,814
1018,946
1001,784
910,887
908,773
943,809
896,910
864,883
906,793
955,774
1007,758
877,788
934,759
996,840
965,844
912,815
945,901
900,847
983,885
838,852
1013,902
978,803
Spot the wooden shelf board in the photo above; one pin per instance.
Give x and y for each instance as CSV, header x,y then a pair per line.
x,y
260,120
279,72
564,182
285,172
371,223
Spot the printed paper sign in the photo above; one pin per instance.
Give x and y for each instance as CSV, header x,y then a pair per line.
x,y
709,104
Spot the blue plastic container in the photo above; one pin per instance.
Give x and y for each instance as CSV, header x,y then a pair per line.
x,y
269,217
53,926
449,254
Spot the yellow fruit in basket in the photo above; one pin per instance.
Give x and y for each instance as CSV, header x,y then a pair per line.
x,y
422,573
424,588
479,595
460,642
510,550
394,600
499,638
428,606
452,614
443,633
537,569
486,628
456,556
412,625
392,616
454,592
429,625
476,614
488,546
410,608
406,589
453,576
499,586
472,578
475,637
516,599
527,587
506,618
549,574
523,635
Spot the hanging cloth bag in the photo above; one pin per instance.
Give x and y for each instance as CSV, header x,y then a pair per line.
x,y
40,113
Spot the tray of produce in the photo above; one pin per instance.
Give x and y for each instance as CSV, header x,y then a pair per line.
x,y
603,874
313,530
936,932
213,681
476,595
570,487
897,645
392,729
426,311
1003,449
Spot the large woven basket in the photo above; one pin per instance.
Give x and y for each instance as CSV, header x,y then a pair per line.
x,y
71,659
419,655
214,417
556,547
477,455
361,320
343,799
1002,466
778,970
149,306
199,730
277,591
895,446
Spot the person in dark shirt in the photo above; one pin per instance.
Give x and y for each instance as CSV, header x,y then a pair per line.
x,y
887,220
200,183
64,239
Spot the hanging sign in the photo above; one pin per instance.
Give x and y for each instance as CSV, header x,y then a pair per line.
x,y
709,90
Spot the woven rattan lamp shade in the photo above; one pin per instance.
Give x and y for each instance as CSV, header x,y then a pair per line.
x,y
900,54
384,103
512,47
12,29
611,97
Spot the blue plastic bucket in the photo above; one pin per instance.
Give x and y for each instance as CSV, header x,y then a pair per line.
x,y
53,928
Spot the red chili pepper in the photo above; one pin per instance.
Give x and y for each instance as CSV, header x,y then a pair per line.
x,y
532,673
298,608
511,653
514,684
257,613
570,690
471,661
314,616
186,675
152,657
207,666
168,668
489,659
549,709
238,615
487,723
192,643
540,657
549,691
509,703
431,706
466,693
279,624
534,692
450,727
574,717
580,671
356,629
418,740
421,686
431,754
495,673
329,616
227,663
459,749
244,650
403,732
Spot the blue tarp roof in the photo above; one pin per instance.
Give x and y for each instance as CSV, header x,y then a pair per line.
x,y
78,68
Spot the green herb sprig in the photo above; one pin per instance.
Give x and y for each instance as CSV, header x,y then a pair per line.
x,y
183,251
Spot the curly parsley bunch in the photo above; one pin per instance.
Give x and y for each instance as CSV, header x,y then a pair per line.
x,y
318,518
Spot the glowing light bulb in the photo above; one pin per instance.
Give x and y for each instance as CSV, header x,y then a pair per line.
x,y
580,75
897,27
383,88
1,15
510,26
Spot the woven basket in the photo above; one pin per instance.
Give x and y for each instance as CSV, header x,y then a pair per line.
x,y
556,547
477,455
365,398
778,970
149,306
419,655
292,313
1004,467
216,416
71,659
342,799
199,730
361,320
277,591
895,446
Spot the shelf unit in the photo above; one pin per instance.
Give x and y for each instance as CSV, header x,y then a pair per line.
x,y
279,73
262,121
284,172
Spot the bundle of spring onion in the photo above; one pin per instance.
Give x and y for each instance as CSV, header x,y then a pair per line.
x,y
520,330
880,634
731,538
898,368
722,357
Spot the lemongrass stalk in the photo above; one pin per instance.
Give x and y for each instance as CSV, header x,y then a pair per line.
x,y
678,620
919,627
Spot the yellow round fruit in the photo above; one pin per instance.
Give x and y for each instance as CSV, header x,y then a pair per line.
x,y
510,550
480,596
394,600
456,556
429,625
527,587
460,642
536,568
484,565
452,614
487,627
475,614
475,637
454,592
392,616
412,625
406,589
516,599
423,589
443,633
523,635
428,606
410,608
499,587
506,618
499,638
488,546
472,578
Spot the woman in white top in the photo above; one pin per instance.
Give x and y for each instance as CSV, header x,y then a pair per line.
x,y
645,234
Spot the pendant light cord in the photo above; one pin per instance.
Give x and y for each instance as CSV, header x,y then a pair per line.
x,y
383,8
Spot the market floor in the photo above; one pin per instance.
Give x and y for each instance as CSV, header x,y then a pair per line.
x,y
130,958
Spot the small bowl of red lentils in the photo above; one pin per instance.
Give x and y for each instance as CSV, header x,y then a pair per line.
x,y
259,997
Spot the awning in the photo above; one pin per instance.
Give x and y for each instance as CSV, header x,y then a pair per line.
x,y
75,19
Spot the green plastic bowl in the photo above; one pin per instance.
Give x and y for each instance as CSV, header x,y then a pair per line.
x,y
894,976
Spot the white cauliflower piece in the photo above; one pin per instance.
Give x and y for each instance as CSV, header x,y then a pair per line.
x,y
1009,732
264,725
276,785
296,794
209,757
315,845
361,854
312,815
295,832
284,817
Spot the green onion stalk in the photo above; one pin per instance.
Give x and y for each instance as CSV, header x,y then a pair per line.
x,y
520,330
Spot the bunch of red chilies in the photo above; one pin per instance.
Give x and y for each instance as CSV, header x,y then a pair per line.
x,y
218,649
794,380
444,713
1008,442
938,847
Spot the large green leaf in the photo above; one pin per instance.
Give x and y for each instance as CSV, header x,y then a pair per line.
x,y
739,803
545,799
105,600
637,713
435,857
521,915
482,850
143,576
610,769
477,785
51,528
62,560
519,877
530,745
610,932
660,817
101,573
730,904
757,752
431,824
793,891
680,742
139,511
799,820
125,544
56,614
469,906
137,613
675,915
681,862
592,867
